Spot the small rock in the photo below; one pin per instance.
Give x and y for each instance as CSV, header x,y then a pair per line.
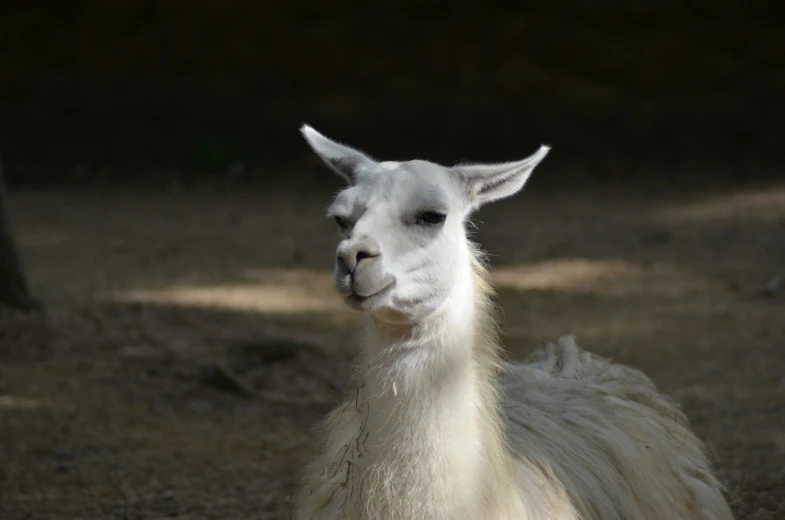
x,y
160,408
140,352
61,454
774,286
201,405
768,289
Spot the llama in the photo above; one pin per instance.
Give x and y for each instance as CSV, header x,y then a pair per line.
x,y
438,425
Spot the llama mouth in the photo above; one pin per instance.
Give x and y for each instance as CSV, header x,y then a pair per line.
x,y
370,301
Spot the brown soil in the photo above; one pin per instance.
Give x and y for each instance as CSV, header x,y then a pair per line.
x,y
118,403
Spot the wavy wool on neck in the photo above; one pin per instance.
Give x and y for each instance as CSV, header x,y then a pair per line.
x,y
438,425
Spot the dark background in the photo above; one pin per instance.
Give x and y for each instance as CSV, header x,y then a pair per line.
x,y
130,90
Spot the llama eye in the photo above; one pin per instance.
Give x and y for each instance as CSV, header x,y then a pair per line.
x,y
341,223
431,218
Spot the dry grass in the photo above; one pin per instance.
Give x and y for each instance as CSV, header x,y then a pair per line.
x,y
105,411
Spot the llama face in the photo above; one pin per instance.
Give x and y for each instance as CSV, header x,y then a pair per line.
x,y
403,249
402,239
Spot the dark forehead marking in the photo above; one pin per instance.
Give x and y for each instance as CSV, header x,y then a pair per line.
x,y
412,185
420,193
426,184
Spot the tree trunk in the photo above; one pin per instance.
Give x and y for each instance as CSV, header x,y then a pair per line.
x,y
13,284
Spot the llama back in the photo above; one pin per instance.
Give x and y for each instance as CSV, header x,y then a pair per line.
x,y
621,450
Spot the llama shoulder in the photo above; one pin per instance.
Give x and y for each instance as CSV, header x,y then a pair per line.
x,y
565,366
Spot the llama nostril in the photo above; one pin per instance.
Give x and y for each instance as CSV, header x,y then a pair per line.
x,y
362,255
351,254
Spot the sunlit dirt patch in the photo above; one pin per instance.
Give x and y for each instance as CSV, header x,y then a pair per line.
x,y
610,277
267,291
576,273
764,205
10,402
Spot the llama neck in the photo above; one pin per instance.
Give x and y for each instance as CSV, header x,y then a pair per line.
x,y
433,434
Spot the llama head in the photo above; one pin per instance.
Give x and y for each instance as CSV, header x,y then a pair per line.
x,y
403,246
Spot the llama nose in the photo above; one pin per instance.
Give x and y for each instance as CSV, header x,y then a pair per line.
x,y
352,254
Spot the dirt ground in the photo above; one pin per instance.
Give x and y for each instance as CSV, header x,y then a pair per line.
x,y
117,404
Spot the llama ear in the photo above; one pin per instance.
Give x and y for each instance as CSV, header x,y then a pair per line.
x,y
490,182
344,160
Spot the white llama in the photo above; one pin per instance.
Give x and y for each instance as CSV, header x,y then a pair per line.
x,y
439,426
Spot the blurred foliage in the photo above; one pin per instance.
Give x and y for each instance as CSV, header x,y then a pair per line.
x,y
220,154
576,51
591,58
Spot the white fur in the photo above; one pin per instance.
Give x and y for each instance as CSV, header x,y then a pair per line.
x,y
438,426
